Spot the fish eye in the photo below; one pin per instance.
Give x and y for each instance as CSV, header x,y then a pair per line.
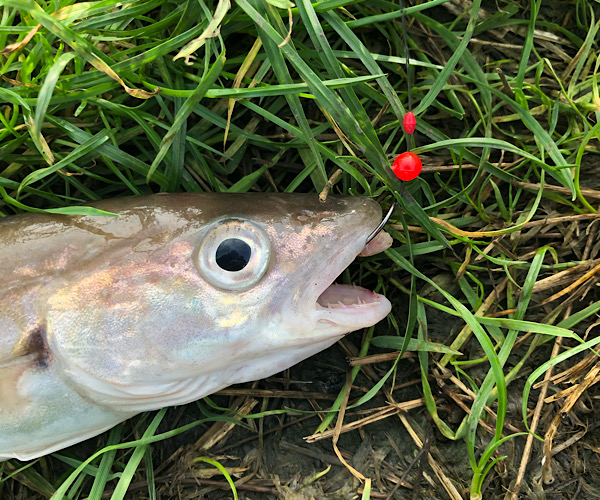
x,y
233,254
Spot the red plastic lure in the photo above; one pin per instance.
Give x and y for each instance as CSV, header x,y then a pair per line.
x,y
409,123
407,166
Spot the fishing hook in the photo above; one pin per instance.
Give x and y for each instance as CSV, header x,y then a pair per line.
x,y
383,223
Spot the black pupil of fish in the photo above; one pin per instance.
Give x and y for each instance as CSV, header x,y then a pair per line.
x,y
233,254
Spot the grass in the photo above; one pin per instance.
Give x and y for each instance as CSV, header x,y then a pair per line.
x,y
104,99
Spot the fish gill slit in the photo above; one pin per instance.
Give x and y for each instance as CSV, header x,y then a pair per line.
x,y
34,345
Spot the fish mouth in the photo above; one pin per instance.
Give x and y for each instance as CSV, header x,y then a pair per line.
x,y
341,309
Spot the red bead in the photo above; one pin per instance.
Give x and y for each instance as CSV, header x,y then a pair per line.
x,y
409,123
407,166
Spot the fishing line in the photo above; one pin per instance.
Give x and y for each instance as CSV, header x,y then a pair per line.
x,y
406,59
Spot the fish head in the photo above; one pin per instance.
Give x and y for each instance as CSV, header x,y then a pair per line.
x,y
272,268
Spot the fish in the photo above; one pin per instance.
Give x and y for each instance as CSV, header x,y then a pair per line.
x,y
177,297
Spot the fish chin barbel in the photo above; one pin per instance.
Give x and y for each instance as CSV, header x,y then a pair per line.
x,y
104,317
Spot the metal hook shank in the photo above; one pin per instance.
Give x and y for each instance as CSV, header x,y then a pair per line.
x,y
383,223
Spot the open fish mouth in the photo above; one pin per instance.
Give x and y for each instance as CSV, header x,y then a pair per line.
x,y
342,309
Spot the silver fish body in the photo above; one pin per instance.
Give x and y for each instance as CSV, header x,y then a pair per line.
x,y
181,295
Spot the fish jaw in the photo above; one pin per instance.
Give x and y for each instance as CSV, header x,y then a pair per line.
x,y
341,309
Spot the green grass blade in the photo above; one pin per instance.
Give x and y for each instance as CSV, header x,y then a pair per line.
x,y
181,118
